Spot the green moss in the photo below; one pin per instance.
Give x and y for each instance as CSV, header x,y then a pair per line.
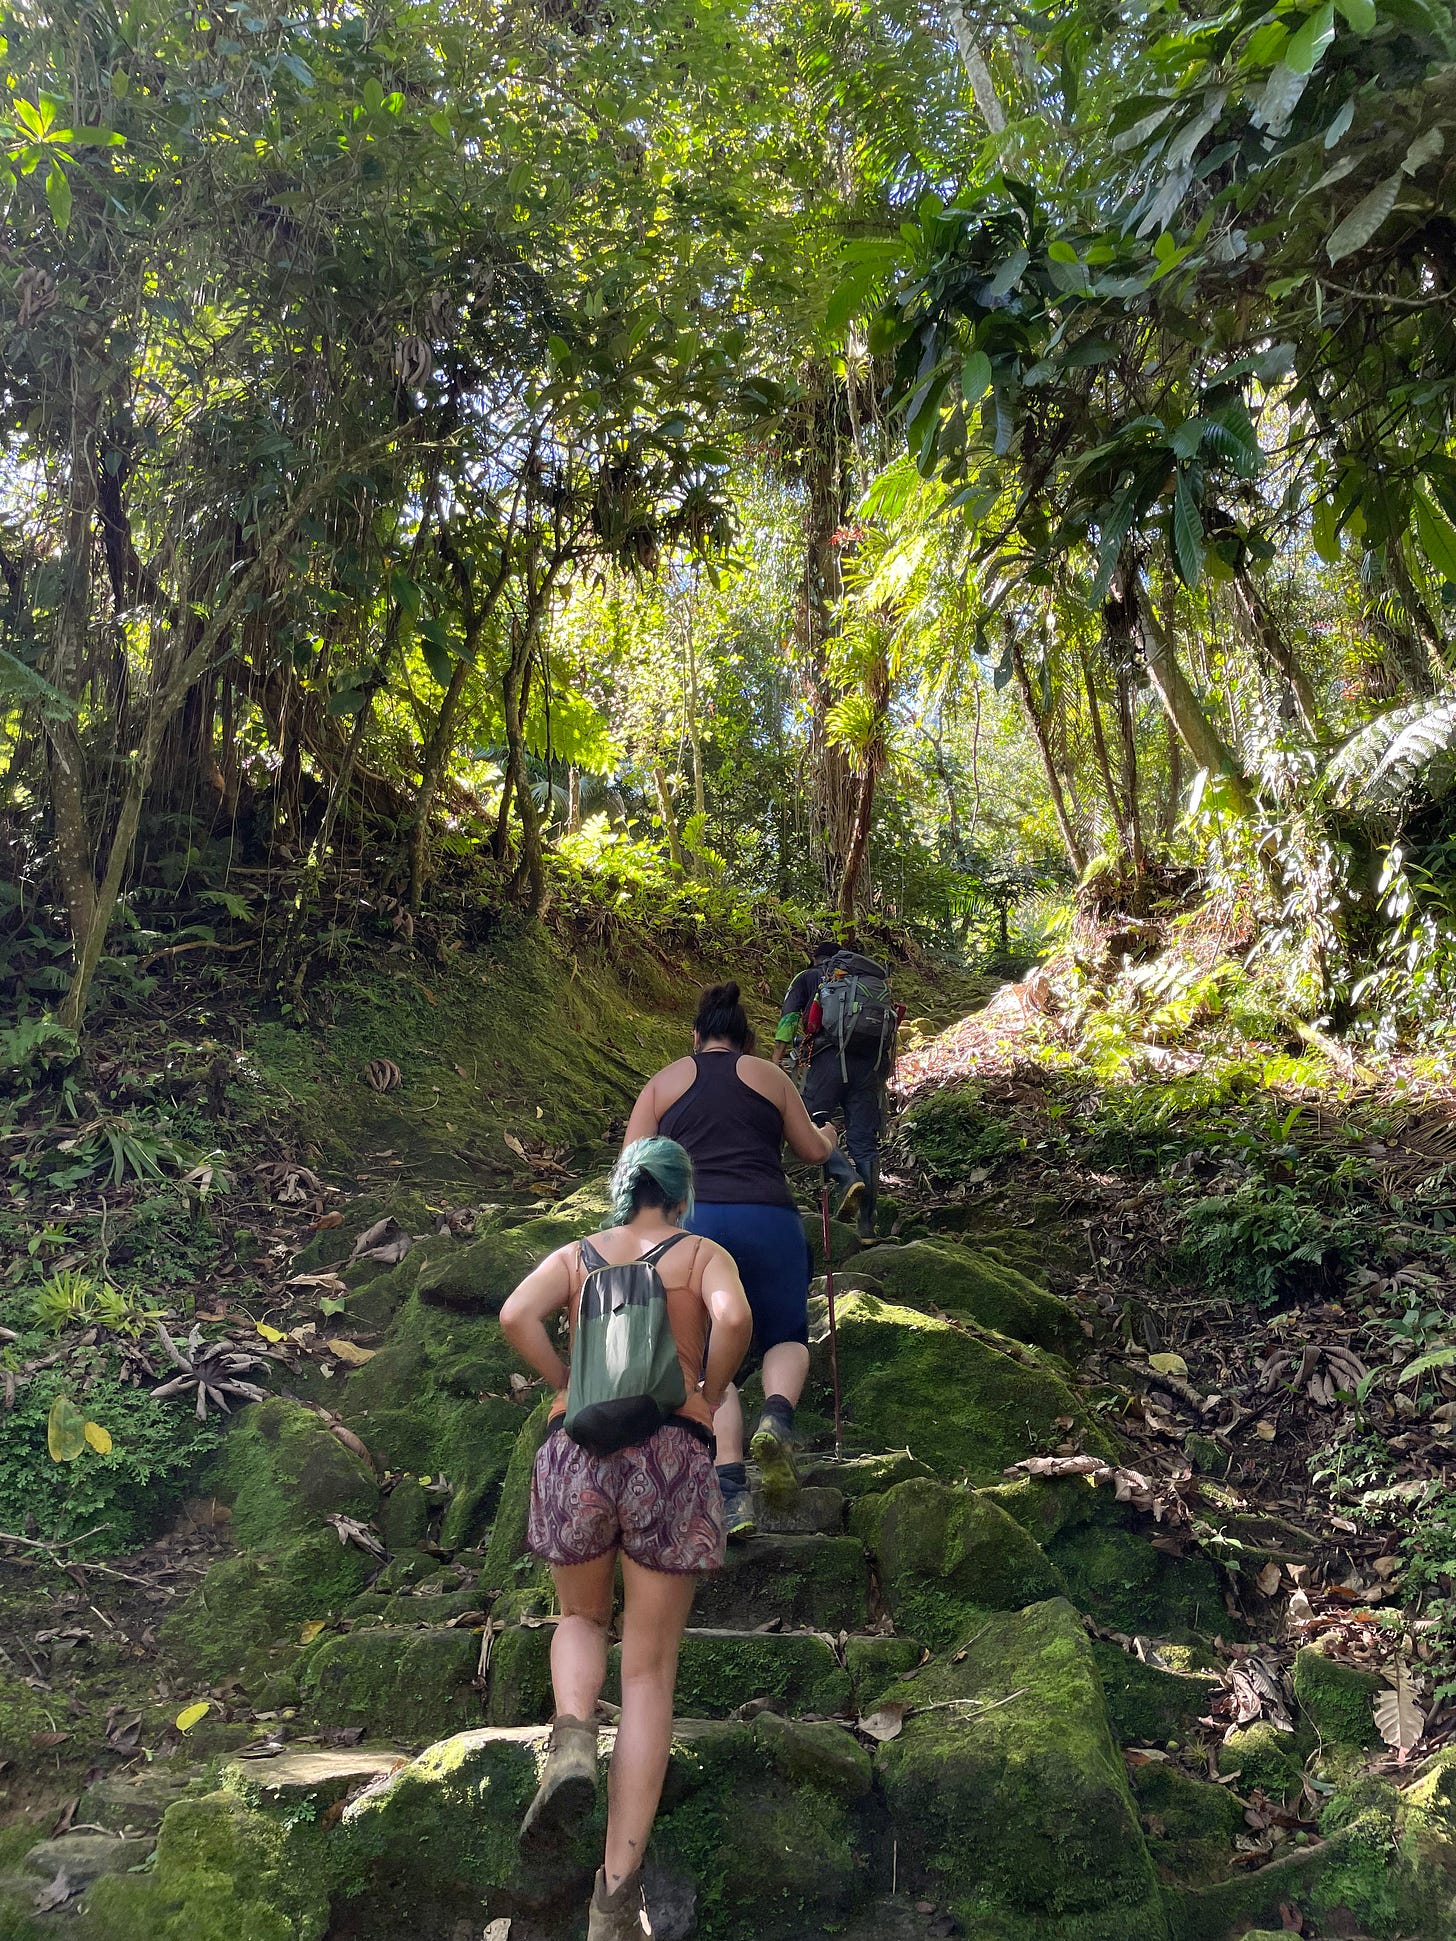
x,y
519,1691
1262,1757
1146,1705
856,1476
818,1582
404,1518
1190,1823
283,1471
406,1684
1337,1699
1364,1885
21,1717
507,1547
250,1602
944,1554
1251,1899
478,1277
718,1671
876,1663
222,1873
1104,1550
975,1288
1019,1813
844,1242
961,1405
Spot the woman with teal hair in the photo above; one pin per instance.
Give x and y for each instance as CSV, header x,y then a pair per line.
x,y
653,1502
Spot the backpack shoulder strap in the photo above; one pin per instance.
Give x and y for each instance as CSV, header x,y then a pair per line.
x,y
590,1259
654,1254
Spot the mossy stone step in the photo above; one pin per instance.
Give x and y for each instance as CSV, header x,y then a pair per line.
x,y
135,1801
818,1582
856,1476
815,1511
718,1671
84,1857
405,1608
412,1685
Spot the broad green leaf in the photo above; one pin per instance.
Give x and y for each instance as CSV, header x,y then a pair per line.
x,y
439,660
373,96
1009,273
1367,216
1187,532
1308,46
1424,1364
975,377
348,702
58,196
65,1430
1325,532
1436,535
1425,148
1358,15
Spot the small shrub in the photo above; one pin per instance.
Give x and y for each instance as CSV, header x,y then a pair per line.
x,y
953,1132
1264,1242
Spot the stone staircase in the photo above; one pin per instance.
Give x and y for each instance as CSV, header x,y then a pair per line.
x,y
989,1796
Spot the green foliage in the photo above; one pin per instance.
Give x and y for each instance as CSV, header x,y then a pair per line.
x,y
71,1298
1265,1243
119,1496
952,1132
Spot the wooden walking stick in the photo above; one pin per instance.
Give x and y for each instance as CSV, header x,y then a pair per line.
x,y
833,1334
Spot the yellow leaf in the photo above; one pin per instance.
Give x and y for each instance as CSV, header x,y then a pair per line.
x,y
350,1353
190,1714
1265,1431
268,1334
65,1430
311,1630
99,1438
1169,1365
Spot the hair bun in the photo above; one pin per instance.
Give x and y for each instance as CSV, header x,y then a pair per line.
x,y
729,993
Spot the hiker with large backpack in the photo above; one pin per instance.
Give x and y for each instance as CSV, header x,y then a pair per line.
x,y
844,1018
657,1324
734,1112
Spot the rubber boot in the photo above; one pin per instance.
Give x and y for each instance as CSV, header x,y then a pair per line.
x,y
839,1171
869,1171
568,1786
772,1449
621,1916
737,1501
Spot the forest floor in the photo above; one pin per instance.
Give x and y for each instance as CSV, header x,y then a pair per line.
x,y
1251,1248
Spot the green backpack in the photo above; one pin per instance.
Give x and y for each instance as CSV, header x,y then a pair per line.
x,y
626,1379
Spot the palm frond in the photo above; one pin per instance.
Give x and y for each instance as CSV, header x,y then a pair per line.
x,y
1407,748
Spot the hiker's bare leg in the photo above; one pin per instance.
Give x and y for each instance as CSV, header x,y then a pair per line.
x,y
579,1648
785,1371
728,1427
656,1610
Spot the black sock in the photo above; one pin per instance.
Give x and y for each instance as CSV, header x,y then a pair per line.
x,y
780,1408
733,1475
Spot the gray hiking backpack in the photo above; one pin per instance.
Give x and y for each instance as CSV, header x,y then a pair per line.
x,y
626,1379
856,1009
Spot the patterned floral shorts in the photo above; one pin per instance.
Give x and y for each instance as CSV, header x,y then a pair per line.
x,y
659,1502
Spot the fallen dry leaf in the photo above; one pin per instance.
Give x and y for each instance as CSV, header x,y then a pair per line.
x,y
56,1894
1265,1431
1169,1365
349,1352
886,1722
1399,1719
1269,1579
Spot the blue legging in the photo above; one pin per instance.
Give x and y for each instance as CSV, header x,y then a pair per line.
x,y
772,1257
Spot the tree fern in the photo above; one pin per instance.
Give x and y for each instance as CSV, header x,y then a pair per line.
x,y
1386,761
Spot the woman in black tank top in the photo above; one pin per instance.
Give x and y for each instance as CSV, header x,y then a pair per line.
x,y
732,1113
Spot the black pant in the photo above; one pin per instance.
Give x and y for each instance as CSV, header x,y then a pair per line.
x,y
858,1091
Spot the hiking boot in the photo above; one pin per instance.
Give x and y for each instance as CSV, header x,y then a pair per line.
x,y
772,1449
568,1786
737,1509
852,1203
621,1916
864,1226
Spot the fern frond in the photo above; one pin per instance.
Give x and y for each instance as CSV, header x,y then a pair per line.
x,y
1383,763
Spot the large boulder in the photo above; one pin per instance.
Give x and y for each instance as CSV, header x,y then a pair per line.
x,y
974,1287
1009,1797
964,1406
945,1554
414,1685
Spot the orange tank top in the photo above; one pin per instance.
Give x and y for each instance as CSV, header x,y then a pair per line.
x,y
687,1318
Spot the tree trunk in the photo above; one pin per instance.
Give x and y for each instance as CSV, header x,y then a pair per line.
x,y
1422,624
573,801
1076,853
1099,749
1175,780
432,764
669,820
75,864
983,88
1265,629
1126,729
858,846
1199,736
831,780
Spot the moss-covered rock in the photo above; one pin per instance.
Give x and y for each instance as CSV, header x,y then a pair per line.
x,y
818,1582
844,1242
1262,1757
1190,1824
436,1400
506,1552
412,1685
875,1663
720,1670
856,1476
938,1273
247,1604
1105,1552
945,1554
21,1717
222,1873
477,1278
1147,1705
518,1690
283,1471
1337,1699
961,1405
404,1518
1019,1812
